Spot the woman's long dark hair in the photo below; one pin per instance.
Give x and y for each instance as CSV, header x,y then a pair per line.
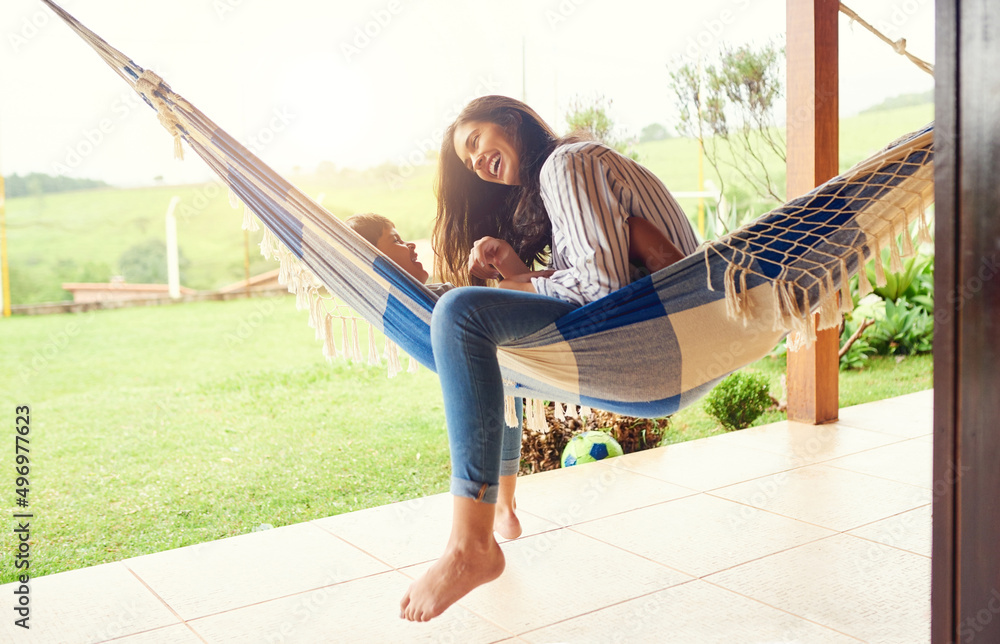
x,y
470,208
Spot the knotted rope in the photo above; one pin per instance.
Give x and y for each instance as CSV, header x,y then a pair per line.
x,y
153,89
899,46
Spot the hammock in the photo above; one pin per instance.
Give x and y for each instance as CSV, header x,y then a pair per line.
x,y
648,349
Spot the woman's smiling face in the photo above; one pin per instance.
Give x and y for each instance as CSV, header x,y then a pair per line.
x,y
486,149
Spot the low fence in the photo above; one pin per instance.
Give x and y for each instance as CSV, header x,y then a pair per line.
x,y
46,308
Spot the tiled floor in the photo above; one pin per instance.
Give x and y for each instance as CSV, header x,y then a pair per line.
x,y
782,533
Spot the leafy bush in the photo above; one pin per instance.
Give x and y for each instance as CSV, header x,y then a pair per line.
x,y
905,329
590,119
146,263
907,282
921,290
738,400
857,354
902,311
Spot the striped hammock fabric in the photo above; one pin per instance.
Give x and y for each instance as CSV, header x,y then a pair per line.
x,y
648,349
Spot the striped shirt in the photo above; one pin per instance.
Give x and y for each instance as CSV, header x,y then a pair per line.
x,y
590,191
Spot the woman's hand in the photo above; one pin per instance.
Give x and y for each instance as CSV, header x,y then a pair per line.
x,y
493,258
522,281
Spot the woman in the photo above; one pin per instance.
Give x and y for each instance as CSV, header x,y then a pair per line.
x,y
512,195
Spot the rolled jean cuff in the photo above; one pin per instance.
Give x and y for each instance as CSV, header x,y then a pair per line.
x,y
472,490
510,467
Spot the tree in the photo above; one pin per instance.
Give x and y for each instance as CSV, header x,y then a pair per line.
x,y
146,263
38,183
653,132
728,106
590,119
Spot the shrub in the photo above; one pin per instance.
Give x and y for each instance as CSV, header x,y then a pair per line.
x,y
906,329
857,353
738,400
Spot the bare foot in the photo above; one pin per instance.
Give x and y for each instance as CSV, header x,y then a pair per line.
x,y
458,571
506,523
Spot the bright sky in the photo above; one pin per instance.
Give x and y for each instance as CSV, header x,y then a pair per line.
x,y
363,82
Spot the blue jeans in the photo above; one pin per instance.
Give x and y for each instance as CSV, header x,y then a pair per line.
x,y
510,445
467,325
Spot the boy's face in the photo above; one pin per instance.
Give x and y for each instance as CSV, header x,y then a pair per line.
x,y
393,246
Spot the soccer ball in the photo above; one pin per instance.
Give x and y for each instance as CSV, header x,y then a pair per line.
x,y
589,447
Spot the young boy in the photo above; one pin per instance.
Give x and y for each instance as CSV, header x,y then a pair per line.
x,y
381,233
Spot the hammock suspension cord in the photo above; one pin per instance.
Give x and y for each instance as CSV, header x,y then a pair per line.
x,y
899,46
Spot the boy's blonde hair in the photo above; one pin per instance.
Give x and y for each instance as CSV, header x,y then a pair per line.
x,y
369,225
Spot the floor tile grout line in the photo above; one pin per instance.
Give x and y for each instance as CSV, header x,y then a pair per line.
x,y
891,516
659,564
832,533
690,492
606,607
783,610
153,592
153,630
286,596
845,534
180,619
769,511
633,553
723,498
883,478
887,545
851,424
293,594
899,439
717,440
875,476
828,464
754,478
776,552
357,547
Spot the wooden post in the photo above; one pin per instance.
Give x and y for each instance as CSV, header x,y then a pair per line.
x,y
812,158
965,567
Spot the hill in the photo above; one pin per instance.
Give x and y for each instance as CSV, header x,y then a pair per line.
x,y
80,236
902,100
38,183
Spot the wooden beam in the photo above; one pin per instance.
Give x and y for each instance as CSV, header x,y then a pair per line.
x,y
812,158
965,569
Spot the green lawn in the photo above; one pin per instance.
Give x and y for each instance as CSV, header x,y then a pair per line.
x,y
154,428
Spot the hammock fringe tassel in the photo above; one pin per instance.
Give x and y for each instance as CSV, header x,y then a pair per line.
x,y
301,282
824,290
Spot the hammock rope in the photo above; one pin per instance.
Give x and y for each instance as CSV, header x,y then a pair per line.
x,y
898,46
647,349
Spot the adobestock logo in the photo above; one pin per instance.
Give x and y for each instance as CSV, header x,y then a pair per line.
x,y
29,28
370,30
91,138
710,34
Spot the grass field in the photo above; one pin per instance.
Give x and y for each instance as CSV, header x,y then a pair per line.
x,y
80,236
155,428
